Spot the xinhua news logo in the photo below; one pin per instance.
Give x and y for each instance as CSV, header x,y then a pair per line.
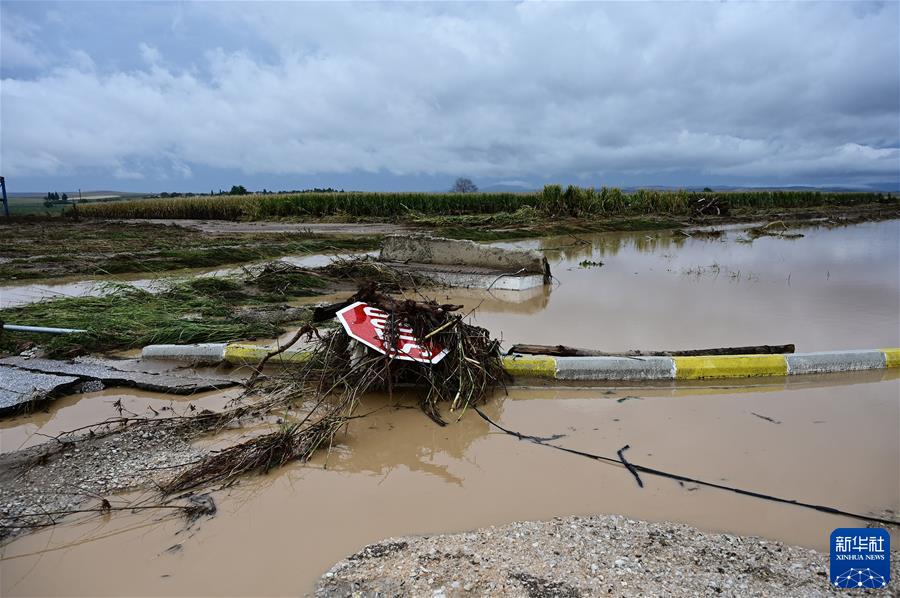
x,y
860,557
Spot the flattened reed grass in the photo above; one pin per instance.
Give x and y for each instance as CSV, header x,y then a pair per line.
x,y
366,269
127,318
294,441
198,310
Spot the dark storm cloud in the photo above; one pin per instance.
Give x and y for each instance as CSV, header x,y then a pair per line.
x,y
793,92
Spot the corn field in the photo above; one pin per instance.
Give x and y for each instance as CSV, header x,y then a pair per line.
x,y
587,201
314,205
552,201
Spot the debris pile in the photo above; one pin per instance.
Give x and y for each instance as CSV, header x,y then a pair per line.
x,y
464,368
419,343
263,453
367,270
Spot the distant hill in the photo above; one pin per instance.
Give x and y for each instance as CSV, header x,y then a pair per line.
x,y
92,194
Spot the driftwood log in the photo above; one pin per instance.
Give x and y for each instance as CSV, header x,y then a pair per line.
x,y
564,351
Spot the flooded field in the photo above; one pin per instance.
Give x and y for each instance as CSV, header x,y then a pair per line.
x,y
831,289
396,472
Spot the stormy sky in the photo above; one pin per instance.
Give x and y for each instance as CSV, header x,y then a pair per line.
x,y
196,96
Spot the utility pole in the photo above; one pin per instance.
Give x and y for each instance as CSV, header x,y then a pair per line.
x,y
5,200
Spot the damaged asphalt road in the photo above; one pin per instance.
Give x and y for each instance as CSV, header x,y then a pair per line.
x,y
20,387
24,381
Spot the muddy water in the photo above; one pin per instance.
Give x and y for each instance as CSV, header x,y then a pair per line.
x,y
79,410
834,440
397,473
831,289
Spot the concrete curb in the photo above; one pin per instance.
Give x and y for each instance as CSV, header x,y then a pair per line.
x,y
697,368
252,354
197,352
592,368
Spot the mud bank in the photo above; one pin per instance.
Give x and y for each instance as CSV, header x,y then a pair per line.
x,y
582,556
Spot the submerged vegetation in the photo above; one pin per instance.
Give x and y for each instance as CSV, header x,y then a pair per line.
x,y
553,201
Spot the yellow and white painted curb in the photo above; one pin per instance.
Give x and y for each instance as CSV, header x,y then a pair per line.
x,y
235,353
697,368
238,353
591,368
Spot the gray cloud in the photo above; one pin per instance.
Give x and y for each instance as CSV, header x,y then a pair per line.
x,y
793,92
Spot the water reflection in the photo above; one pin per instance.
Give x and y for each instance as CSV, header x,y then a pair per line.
x,y
833,289
399,435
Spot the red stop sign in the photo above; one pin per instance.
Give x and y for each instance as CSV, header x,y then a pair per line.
x,y
366,324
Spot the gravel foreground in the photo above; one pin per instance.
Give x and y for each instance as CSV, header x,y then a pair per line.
x,y
61,476
601,555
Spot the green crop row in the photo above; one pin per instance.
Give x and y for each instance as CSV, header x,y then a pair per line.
x,y
587,201
551,201
314,205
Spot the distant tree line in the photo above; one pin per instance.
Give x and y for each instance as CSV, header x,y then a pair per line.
x,y
313,190
241,190
54,198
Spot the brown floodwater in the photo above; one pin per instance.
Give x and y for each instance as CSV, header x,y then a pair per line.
x,y
832,289
397,473
74,411
835,440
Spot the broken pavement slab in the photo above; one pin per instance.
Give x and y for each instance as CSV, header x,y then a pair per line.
x,y
20,387
24,380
